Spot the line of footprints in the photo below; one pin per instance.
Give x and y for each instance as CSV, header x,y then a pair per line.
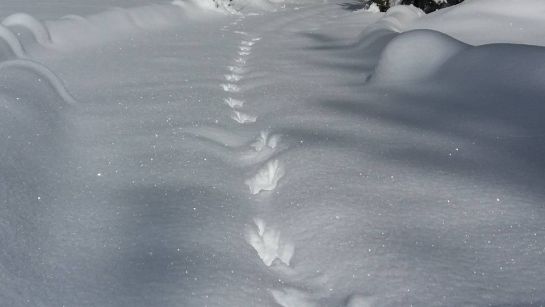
x,y
273,249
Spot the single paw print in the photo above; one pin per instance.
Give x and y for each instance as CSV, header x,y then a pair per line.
x,y
266,178
268,243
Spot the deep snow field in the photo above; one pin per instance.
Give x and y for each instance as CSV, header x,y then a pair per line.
x,y
297,154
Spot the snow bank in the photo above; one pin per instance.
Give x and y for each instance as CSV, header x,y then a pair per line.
x,y
116,23
480,22
396,19
21,33
415,56
426,55
196,5
435,40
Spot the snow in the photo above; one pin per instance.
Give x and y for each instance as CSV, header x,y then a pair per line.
x,y
490,21
288,154
428,51
373,8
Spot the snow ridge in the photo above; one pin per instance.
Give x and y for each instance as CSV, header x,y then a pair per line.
x,y
273,248
37,28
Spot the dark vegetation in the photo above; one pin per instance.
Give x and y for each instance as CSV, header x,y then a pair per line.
x,y
427,6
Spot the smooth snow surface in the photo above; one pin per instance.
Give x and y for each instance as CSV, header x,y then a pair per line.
x,y
490,21
276,153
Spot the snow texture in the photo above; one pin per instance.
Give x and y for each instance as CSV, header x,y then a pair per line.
x,y
268,244
266,178
271,153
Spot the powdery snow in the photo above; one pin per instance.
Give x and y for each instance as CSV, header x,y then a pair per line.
x,y
273,153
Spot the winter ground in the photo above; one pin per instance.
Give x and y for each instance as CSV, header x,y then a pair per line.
x,y
172,155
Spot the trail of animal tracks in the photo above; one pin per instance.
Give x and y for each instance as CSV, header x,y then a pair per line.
x,y
170,155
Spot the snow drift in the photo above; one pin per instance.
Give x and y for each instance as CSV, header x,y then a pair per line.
x,y
415,56
422,186
489,21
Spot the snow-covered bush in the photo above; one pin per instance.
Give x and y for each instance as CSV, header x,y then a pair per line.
x,y
426,5
222,3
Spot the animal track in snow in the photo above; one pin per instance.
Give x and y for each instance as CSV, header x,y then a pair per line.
x,y
245,48
243,53
268,244
240,61
233,77
236,69
263,148
233,103
243,118
231,88
247,43
292,298
266,178
265,140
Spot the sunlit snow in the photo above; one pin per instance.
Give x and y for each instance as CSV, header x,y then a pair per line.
x,y
291,153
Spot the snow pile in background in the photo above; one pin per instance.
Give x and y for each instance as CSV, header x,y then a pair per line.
x,y
20,31
418,55
490,21
66,33
395,20
373,8
398,18
223,6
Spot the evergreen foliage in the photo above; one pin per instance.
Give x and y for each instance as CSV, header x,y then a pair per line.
x,y
427,6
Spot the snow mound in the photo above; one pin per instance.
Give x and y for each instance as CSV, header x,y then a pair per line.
x,y
372,40
518,68
193,5
489,21
397,19
74,32
415,55
423,55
